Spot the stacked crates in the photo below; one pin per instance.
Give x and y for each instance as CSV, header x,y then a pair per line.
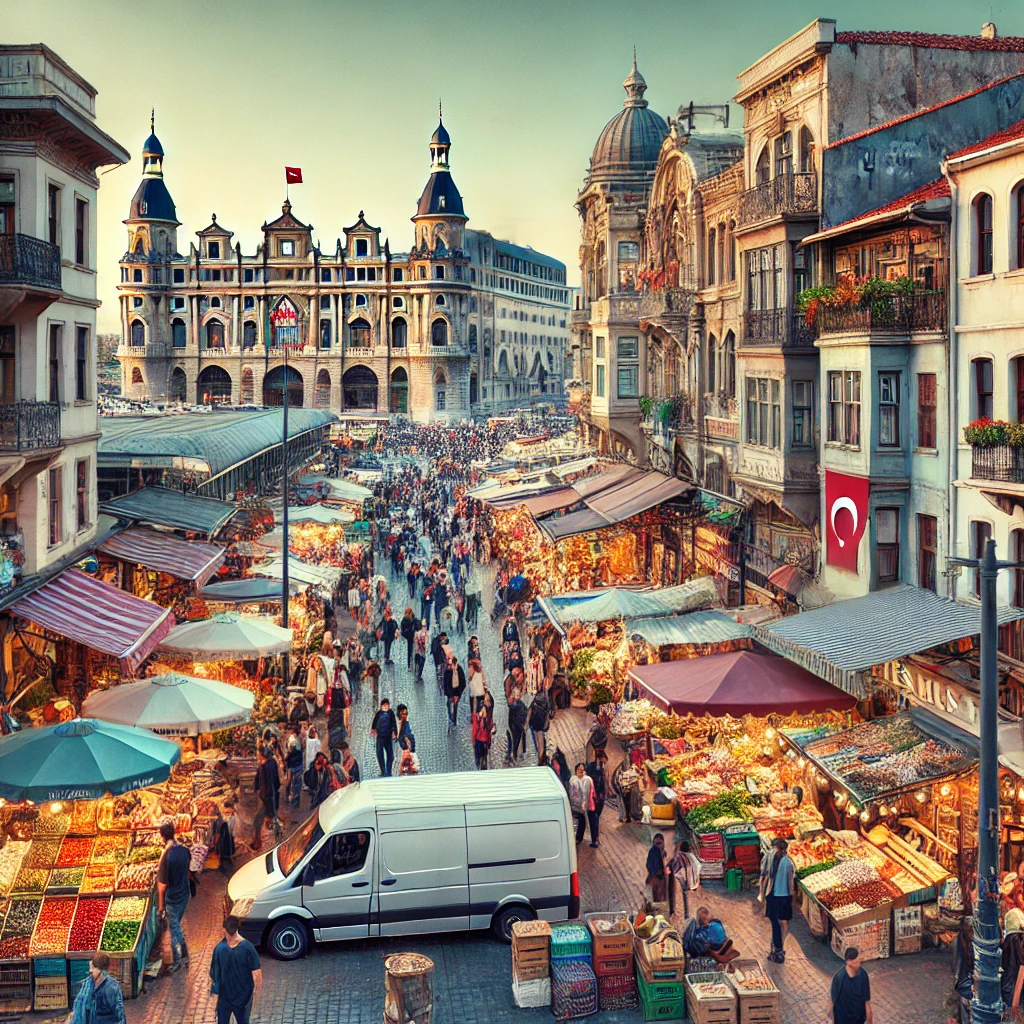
x,y
573,982
659,983
612,936
531,963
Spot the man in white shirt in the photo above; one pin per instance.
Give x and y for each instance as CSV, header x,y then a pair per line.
x,y
354,599
312,749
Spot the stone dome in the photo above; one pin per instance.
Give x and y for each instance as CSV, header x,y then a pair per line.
x,y
627,150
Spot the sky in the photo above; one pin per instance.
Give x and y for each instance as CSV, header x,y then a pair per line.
x,y
349,92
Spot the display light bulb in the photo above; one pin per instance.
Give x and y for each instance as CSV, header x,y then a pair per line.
x,y
865,815
945,791
841,800
800,762
55,808
883,811
770,733
1020,794
920,796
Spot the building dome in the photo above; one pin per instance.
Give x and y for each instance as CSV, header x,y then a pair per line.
x,y
152,147
627,150
441,136
152,201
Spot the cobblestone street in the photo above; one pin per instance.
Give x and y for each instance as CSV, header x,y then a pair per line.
x,y
343,983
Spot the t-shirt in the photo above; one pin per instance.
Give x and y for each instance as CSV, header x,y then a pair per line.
x,y
849,997
231,972
173,872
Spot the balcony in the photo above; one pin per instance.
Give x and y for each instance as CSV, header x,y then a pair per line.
x,y
1001,463
666,302
29,268
579,317
786,195
891,314
29,426
776,328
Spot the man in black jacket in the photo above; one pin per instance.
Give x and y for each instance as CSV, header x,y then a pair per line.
x,y
437,651
596,770
540,721
388,630
454,687
268,789
384,728
515,733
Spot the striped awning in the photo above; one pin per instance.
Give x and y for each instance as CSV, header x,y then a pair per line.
x,y
703,627
843,641
187,560
99,616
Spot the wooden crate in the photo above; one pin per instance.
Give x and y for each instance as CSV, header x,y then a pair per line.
x,y
759,1007
665,971
713,1009
531,935
530,955
50,994
614,963
530,972
604,944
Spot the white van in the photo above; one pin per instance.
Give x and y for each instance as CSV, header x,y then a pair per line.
x,y
412,855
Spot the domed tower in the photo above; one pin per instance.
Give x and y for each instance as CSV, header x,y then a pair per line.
x,y
152,221
440,217
627,149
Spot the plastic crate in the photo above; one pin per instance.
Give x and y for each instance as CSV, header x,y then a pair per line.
x,y
570,941
614,964
604,943
50,967
573,989
673,1010
661,991
78,971
710,846
529,994
617,992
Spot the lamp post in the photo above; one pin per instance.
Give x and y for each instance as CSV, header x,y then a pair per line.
x,y
987,1004
284,513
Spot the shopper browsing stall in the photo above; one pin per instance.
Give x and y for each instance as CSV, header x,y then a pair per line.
x,y
778,884
172,891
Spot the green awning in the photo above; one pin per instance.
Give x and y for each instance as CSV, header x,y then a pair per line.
x,y
701,627
161,506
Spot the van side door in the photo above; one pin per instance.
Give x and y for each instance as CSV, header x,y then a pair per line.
x,y
423,885
337,885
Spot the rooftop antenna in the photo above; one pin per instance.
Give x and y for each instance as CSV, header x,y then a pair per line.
x,y
686,114
152,120
439,114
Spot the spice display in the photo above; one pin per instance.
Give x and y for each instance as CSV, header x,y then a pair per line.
x,y
11,857
119,936
88,925
136,877
21,918
98,878
31,880
43,853
66,878
110,849
127,908
74,852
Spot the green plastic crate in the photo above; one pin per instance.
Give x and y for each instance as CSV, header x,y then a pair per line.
x,y
570,941
671,1009
660,991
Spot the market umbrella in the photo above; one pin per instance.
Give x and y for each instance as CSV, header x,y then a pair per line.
x,y
254,590
173,704
737,684
336,488
318,514
226,636
82,760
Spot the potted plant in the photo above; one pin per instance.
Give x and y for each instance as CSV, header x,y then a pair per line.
x,y
986,433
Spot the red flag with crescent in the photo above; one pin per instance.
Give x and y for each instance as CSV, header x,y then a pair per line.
x,y
846,516
293,175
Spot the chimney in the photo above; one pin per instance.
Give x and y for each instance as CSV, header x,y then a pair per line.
x,y
988,30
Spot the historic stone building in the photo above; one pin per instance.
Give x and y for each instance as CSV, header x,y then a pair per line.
x,y
356,330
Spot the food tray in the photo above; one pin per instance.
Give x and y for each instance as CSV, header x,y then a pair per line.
x,y
617,992
530,994
74,852
619,940
709,1009
756,1005
87,927
570,941
50,935
65,881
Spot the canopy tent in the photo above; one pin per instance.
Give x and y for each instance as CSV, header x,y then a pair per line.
x,y
889,624
173,704
702,627
163,506
318,514
82,760
737,684
187,560
576,466
97,615
609,603
226,636
314,575
256,591
335,488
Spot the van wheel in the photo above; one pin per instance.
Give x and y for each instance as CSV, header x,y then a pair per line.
x,y
288,939
502,923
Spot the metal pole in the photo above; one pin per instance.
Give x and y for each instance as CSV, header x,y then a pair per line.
x,y
987,1005
284,514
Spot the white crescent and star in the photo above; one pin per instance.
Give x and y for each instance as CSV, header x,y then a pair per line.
x,y
841,503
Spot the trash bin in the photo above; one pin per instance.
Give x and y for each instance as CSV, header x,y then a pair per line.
x,y
734,878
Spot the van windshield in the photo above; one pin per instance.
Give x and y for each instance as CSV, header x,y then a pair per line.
x,y
299,843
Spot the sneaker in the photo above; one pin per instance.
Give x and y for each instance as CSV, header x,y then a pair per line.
x,y
595,845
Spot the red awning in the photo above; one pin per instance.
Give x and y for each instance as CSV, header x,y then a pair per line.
x,y
99,616
736,684
187,560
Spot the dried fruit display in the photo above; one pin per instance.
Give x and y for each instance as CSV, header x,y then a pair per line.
x,y
127,908
98,878
21,918
136,877
14,948
31,880
74,852
66,878
43,853
52,824
87,927
110,849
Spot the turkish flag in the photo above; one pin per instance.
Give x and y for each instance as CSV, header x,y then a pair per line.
x,y
846,516
293,175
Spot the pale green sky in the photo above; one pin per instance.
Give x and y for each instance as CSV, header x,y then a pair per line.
x,y
348,91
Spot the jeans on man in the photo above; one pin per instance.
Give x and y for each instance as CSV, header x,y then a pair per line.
x,y
294,785
225,1012
420,661
540,740
453,710
594,818
175,911
385,755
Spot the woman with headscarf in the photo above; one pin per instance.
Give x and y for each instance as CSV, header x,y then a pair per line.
x,y
1012,975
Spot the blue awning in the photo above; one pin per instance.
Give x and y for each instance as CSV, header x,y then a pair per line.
x,y
701,627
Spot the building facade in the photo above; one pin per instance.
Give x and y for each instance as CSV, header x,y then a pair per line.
x,y
50,149
362,330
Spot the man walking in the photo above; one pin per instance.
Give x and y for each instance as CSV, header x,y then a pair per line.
x,y
596,770
293,762
420,643
384,729
851,992
172,891
268,789
388,630
235,974
540,721
454,687
656,869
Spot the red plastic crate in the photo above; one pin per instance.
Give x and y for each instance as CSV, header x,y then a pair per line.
x,y
617,992
711,846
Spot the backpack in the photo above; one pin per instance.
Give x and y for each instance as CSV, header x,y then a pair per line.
x,y
539,716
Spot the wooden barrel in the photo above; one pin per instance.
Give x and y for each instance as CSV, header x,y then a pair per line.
x,y
408,989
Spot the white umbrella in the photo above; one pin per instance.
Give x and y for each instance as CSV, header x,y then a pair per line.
x,y
226,636
173,705
338,489
318,514
318,575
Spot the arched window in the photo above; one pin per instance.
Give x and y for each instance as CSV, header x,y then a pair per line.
x,y
359,334
178,332
399,332
325,333
711,256
440,391
722,270
472,337
215,302
322,390
245,394
983,234
440,301
729,365
138,332
361,300
439,332
762,169
806,151
712,356
215,334
784,154
249,334
177,388
1018,198
137,376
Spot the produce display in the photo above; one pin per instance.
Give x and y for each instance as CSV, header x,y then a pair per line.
x,y
886,755
720,811
87,927
31,880
52,823
20,921
99,878
110,849
66,878
74,852
136,877
119,936
11,857
127,908
50,936
630,717
83,818
43,853
143,854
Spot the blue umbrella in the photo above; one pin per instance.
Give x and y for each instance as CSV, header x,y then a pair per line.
x,y
82,760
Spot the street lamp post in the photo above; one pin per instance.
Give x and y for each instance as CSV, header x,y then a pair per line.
x,y
284,513
987,1004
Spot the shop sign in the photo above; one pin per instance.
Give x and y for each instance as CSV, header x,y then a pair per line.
x,y
846,514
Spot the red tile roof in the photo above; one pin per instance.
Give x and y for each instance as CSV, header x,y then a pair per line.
x,y
929,40
926,110
1014,132
937,189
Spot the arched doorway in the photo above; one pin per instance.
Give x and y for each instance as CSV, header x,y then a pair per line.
x,y
440,390
322,391
213,385
215,335
399,332
399,401
359,389
177,388
273,387
245,395
137,376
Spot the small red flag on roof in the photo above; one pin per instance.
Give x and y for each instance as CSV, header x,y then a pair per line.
x,y
293,175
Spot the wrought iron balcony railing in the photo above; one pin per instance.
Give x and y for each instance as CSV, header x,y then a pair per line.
x,y
25,260
893,314
25,426
776,328
786,194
